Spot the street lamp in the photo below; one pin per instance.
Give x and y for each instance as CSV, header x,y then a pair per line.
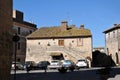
x,y
15,39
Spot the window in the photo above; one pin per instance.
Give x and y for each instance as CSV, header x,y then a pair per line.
x,y
113,34
48,44
109,35
117,58
61,42
38,43
72,41
18,30
80,42
28,49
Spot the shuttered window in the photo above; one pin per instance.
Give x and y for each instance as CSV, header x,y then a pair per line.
x,y
61,42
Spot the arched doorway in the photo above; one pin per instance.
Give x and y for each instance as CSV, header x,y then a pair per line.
x,y
117,58
57,56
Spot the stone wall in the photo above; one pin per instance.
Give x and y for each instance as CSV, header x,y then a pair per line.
x,y
73,48
5,38
112,43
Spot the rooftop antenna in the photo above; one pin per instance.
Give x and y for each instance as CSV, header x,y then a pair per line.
x,y
31,21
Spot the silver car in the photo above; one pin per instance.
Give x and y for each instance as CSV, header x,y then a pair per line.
x,y
69,65
55,64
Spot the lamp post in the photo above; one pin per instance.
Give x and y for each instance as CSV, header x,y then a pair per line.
x,y
15,39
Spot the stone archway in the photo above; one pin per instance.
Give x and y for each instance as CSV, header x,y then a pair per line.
x,y
117,58
57,56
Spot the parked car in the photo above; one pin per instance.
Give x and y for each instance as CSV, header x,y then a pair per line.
x,y
43,64
55,64
30,64
69,65
82,63
19,66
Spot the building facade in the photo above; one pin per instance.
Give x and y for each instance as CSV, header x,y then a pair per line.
x,y
22,29
112,40
5,39
59,43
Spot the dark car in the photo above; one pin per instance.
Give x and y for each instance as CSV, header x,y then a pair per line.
x,y
43,64
31,64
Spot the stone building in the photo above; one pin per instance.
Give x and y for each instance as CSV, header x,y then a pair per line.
x,y
112,40
22,29
59,43
5,38
101,49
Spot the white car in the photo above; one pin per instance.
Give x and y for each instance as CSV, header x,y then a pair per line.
x,y
55,64
18,66
82,63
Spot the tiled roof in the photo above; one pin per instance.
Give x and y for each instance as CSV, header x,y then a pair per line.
x,y
117,26
54,32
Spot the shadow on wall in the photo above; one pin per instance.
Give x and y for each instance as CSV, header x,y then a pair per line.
x,y
102,60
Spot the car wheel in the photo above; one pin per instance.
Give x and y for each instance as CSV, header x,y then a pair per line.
x,y
72,69
62,70
77,68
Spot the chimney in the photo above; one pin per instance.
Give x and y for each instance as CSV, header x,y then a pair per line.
x,y
82,26
115,25
18,15
64,25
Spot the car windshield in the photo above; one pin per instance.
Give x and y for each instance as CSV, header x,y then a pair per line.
x,y
67,62
28,63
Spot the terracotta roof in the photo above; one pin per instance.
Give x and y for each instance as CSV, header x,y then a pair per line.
x,y
55,32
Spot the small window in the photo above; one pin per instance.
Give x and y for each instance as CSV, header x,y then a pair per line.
x,y
79,42
38,43
113,34
28,49
72,41
108,35
18,30
119,49
61,42
48,44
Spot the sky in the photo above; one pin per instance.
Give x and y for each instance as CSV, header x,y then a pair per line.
x,y
96,15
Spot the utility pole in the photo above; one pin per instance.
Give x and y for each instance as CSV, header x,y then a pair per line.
x,y
15,39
